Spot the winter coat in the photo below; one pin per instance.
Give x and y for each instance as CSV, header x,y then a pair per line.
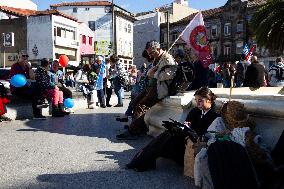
x,y
164,74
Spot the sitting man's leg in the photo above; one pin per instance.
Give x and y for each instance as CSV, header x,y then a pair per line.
x,y
138,126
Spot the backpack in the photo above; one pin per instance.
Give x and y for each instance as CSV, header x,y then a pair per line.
x,y
230,166
182,80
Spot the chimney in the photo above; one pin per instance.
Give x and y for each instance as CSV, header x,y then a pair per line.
x,y
182,2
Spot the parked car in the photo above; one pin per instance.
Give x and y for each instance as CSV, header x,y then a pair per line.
x,y
4,77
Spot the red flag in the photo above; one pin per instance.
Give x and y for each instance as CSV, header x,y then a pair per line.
x,y
250,53
195,36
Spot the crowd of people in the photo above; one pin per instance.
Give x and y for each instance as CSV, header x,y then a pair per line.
x,y
247,74
231,130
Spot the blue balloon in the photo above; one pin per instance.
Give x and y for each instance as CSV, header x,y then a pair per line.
x,y
18,80
69,103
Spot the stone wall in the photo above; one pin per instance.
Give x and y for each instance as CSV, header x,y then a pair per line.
x,y
265,106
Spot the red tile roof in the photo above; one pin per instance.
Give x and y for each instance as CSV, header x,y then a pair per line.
x,y
17,11
89,3
54,12
28,12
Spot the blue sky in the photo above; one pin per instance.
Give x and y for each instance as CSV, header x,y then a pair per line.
x,y
140,5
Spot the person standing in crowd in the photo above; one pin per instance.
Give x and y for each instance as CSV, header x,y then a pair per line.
x,y
276,73
57,77
226,75
108,85
201,74
29,91
101,72
162,71
118,77
240,74
255,74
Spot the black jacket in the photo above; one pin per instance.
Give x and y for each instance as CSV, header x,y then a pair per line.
x,y
254,76
198,124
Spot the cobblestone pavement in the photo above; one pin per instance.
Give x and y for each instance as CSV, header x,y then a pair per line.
x,y
77,151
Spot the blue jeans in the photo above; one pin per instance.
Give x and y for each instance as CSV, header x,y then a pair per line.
x,y
119,92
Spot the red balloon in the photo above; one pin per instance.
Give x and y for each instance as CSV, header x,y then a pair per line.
x,y
63,60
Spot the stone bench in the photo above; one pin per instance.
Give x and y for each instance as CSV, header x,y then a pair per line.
x,y
20,108
266,106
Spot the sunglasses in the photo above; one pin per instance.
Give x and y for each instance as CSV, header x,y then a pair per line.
x,y
26,56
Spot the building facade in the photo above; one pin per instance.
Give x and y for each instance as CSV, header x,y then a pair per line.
x,y
106,26
18,26
227,29
147,26
87,42
45,34
60,37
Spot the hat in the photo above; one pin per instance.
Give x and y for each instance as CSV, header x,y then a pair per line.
x,y
179,53
235,115
153,45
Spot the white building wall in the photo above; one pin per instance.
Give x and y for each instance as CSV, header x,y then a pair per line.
x,y
145,29
124,37
39,34
101,19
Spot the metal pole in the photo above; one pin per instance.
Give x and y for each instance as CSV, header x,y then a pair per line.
x,y
4,65
113,29
168,30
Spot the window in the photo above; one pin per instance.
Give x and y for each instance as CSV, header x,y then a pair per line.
x,y
227,50
174,36
240,27
92,25
90,41
129,28
84,39
125,27
239,47
75,9
87,9
59,31
214,31
227,29
54,31
120,25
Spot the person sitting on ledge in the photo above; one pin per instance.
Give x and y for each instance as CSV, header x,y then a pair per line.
x,y
171,146
30,90
49,89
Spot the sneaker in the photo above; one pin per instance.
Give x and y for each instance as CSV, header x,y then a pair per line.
x,y
126,136
108,105
4,118
103,106
119,105
40,117
44,105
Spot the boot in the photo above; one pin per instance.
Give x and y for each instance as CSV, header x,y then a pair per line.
x,y
61,108
56,112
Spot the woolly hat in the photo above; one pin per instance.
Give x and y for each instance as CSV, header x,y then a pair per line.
x,y
235,115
